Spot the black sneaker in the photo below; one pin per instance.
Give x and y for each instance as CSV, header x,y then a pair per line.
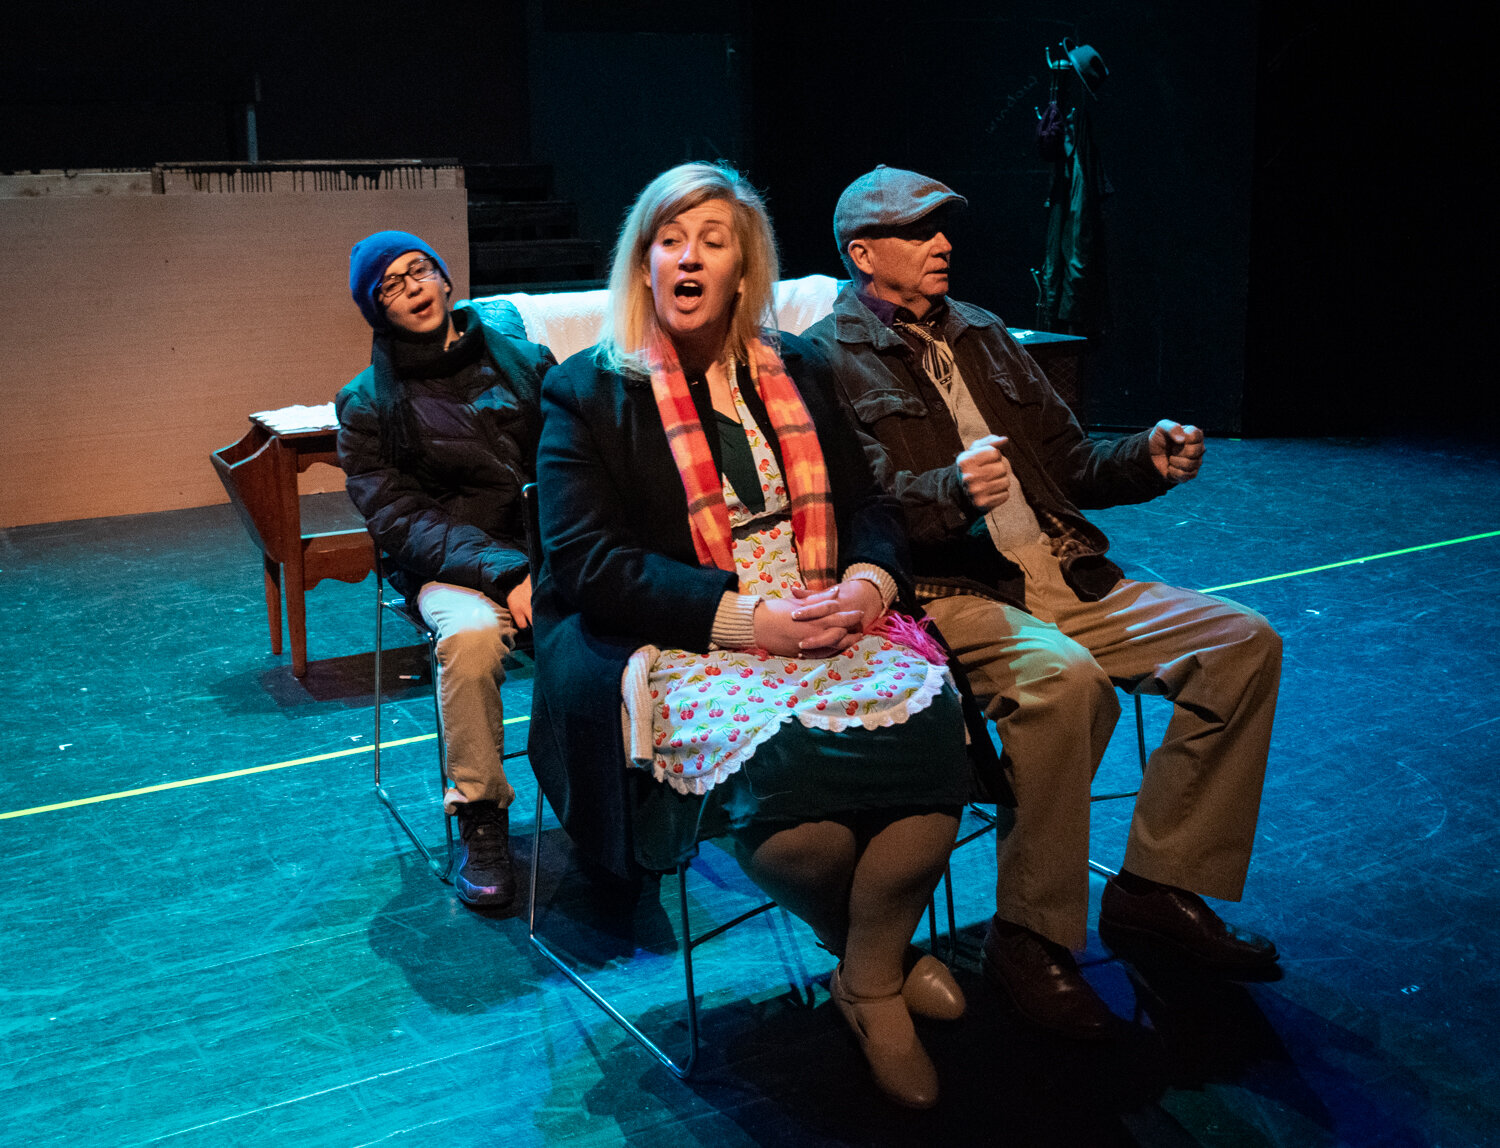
x,y
484,874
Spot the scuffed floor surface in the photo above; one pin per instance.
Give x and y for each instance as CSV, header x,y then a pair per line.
x,y
262,957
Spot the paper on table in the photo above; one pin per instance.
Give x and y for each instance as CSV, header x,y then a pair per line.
x,y
289,420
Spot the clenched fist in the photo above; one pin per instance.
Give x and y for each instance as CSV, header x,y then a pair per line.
x,y
985,472
1176,450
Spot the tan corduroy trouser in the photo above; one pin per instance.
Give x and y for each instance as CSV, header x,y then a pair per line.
x,y
474,635
1047,679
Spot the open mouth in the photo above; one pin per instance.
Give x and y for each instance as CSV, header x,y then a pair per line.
x,y
688,289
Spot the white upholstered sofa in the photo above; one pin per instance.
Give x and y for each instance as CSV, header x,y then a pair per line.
x,y
569,321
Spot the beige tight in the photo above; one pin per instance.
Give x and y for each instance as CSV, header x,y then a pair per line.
x,y
861,887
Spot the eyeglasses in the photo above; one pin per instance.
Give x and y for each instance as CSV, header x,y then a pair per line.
x,y
393,285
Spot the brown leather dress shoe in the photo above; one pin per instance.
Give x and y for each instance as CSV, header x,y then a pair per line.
x,y
1041,980
883,1028
930,990
1169,924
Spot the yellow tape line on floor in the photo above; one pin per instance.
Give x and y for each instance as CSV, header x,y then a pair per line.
x,y
1350,562
231,773
509,721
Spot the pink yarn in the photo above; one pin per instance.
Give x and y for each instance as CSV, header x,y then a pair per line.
x,y
911,633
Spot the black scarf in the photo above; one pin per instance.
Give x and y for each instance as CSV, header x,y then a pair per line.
x,y
397,359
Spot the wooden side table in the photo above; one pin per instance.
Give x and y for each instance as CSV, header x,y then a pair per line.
x,y
260,475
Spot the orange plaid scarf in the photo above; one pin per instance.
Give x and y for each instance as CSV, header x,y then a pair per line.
x,y
802,458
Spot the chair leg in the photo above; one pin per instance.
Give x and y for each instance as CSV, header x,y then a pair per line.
x,y
682,1069
1095,866
1140,743
946,881
435,670
688,946
1140,749
932,912
379,683
1140,733
952,921
441,868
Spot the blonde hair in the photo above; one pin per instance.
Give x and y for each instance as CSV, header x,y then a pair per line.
x,y
630,315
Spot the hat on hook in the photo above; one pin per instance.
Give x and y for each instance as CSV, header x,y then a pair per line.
x,y
1088,64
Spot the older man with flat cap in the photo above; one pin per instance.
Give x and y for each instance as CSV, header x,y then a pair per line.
x,y
991,469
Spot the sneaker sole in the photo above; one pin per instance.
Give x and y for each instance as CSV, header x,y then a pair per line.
x,y
485,897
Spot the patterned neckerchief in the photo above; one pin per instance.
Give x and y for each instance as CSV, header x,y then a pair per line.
x,y
937,355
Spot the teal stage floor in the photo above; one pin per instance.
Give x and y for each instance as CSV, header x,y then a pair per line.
x,y
213,934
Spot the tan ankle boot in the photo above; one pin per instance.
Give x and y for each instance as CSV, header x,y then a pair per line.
x,y
930,990
883,1028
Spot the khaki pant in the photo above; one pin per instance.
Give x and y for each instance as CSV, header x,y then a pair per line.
x,y
474,635
1047,677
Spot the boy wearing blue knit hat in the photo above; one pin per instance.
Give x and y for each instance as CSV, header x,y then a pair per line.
x,y
437,437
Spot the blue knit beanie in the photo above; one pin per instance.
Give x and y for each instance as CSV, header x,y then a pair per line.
x,y
367,264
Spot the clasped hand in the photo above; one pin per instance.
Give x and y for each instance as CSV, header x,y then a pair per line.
x,y
817,624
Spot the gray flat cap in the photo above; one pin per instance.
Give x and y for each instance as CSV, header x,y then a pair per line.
x,y
887,197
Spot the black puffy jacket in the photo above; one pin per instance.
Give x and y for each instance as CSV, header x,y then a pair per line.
x,y
450,509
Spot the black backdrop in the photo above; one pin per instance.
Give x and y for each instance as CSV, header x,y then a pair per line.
x,y
1299,239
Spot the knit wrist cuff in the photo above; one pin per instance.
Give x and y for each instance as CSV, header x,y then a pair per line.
x,y
869,572
734,622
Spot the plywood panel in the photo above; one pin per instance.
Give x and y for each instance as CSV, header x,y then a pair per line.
x,y
145,329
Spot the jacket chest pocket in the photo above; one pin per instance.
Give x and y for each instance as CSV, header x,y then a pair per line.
x,y
497,408
873,406
1001,381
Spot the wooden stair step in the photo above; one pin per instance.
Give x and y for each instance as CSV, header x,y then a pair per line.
x,y
537,287
491,218
505,260
515,181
